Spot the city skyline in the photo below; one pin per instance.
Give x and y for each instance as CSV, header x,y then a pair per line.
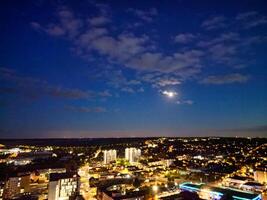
x,y
133,69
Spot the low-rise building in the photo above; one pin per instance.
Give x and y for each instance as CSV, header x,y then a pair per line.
x,y
260,176
236,181
253,186
121,192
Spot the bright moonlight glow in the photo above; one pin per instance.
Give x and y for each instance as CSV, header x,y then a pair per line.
x,y
169,94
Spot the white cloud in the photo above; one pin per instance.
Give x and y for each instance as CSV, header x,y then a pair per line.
x,y
228,37
100,20
138,52
146,16
86,38
251,19
214,23
184,102
55,30
256,22
246,15
184,38
128,90
162,63
225,79
170,94
167,82
84,109
118,48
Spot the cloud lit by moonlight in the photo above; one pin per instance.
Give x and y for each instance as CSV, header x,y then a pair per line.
x,y
169,94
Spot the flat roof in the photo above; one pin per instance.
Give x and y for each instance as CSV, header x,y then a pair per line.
x,y
192,186
241,178
253,184
235,193
57,176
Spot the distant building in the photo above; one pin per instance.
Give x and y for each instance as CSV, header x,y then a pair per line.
x,y
109,156
132,154
119,192
24,158
43,174
2,186
236,181
62,186
162,163
253,186
260,176
185,195
17,185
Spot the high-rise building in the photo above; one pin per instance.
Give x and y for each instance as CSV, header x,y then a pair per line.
x,y
62,186
109,156
17,185
132,154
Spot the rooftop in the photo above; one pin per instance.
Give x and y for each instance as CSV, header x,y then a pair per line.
x,y
57,176
241,178
235,193
253,184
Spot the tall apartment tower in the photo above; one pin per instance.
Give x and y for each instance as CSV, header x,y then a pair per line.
x,y
17,185
132,154
109,156
63,186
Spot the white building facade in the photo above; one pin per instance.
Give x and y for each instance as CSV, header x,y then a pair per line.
x,y
63,186
132,154
109,156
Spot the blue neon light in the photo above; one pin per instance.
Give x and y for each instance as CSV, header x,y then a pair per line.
x,y
241,198
189,188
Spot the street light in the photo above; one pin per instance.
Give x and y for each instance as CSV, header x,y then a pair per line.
x,y
155,188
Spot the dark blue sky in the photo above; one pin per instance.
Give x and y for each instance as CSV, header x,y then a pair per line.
x,y
133,68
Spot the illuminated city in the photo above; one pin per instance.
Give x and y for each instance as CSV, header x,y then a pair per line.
x,y
135,168
133,100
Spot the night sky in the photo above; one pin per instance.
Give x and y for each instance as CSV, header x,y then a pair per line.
x,y
133,68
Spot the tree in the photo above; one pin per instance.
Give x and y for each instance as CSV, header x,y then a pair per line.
x,y
137,183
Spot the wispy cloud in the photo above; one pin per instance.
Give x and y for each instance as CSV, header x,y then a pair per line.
x,y
184,102
251,19
68,25
162,63
225,79
214,23
139,51
184,38
67,93
146,16
99,20
167,82
85,109
246,15
225,38
34,87
256,22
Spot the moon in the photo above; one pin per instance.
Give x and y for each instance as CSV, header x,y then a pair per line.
x,y
169,94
